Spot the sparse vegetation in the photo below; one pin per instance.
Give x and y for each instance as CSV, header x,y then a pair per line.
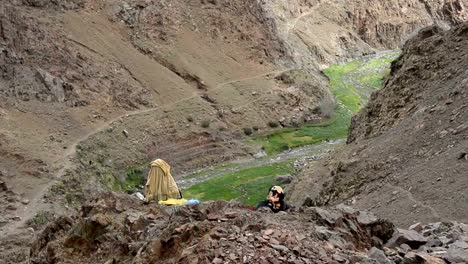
x,y
40,219
135,178
368,74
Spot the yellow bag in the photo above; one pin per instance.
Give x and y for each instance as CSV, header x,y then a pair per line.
x,y
174,202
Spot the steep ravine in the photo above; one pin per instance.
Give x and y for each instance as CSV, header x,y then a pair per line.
x,y
406,152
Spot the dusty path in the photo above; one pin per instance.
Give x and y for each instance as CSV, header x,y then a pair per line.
x,y
292,25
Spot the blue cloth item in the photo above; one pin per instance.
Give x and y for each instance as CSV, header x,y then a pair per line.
x,y
192,202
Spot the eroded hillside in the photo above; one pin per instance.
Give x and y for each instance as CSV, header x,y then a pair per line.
x,y
406,157
90,88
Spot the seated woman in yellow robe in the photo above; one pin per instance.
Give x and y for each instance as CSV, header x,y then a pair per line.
x,y
160,184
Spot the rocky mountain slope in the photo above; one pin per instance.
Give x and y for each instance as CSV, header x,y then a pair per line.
x,y
317,33
90,88
187,75
406,157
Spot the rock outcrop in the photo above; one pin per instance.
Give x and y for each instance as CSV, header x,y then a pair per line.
x,y
405,157
114,228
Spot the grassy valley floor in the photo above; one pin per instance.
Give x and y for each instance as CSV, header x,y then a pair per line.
x,y
351,83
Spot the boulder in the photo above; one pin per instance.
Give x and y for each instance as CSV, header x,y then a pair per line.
x,y
416,227
379,256
280,248
434,243
366,218
459,244
427,259
136,221
409,237
88,230
286,179
456,255
260,154
326,217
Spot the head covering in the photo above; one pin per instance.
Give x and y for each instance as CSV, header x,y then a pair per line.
x,y
160,184
276,191
163,165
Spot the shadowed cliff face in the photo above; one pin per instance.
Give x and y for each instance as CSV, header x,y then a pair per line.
x,y
406,150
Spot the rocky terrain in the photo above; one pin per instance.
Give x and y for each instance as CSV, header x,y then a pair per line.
x,y
317,33
91,88
118,229
407,149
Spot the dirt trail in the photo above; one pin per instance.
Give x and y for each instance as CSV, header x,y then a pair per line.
x,y
292,26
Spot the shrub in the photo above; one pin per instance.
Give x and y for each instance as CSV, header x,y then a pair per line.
x,y
190,119
248,131
40,219
255,128
205,123
273,124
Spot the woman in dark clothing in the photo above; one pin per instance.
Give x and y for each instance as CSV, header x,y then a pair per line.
x,y
275,200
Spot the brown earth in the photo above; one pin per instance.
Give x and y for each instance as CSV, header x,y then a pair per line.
x,y
92,87
406,157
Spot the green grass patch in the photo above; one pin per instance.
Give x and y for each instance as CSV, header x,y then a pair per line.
x,y
367,73
248,186
344,90
308,134
135,177
374,79
380,63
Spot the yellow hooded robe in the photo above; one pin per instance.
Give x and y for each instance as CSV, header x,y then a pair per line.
x,y
160,184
